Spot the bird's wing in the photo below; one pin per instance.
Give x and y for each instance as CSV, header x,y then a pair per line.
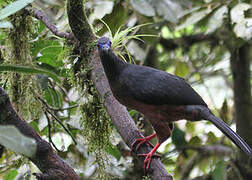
x,y
152,86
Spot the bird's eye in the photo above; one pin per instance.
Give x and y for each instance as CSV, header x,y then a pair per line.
x,y
109,43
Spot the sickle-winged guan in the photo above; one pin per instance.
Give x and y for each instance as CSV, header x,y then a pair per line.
x,y
162,97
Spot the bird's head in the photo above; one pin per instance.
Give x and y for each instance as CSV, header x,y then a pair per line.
x,y
104,44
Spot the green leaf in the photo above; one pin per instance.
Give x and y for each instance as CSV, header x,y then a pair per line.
x,y
13,8
49,52
62,140
193,19
132,112
190,127
220,172
181,69
28,70
169,10
11,175
143,7
5,24
216,19
115,19
195,141
178,137
11,138
237,12
212,139
112,150
243,26
101,8
34,125
53,97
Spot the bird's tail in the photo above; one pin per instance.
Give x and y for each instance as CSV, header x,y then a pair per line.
x,y
221,125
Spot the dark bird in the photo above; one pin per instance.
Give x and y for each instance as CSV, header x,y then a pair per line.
x,y
162,97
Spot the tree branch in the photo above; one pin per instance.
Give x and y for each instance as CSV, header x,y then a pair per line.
x,y
202,153
118,113
187,41
48,23
50,164
213,150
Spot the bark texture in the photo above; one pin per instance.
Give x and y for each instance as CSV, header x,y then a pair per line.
x,y
240,65
46,159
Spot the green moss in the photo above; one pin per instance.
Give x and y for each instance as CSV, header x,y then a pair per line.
x,y
20,86
97,128
96,123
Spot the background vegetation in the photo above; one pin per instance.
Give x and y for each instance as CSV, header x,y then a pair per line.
x,y
206,42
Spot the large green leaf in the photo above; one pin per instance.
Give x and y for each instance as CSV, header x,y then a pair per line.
x,y
178,137
13,8
216,19
101,8
169,10
115,19
112,150
53,97
11,175
11,138
143,7
194,18
243,26
48,51
220,172
28,70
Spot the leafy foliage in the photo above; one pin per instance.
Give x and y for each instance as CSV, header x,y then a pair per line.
x,y
11,138
49,75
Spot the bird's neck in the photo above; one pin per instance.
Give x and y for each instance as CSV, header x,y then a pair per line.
x,y
112,65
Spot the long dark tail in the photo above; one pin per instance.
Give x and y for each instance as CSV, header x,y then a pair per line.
x,y
235,138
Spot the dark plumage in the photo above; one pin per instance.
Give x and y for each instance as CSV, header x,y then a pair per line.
x,y
162,97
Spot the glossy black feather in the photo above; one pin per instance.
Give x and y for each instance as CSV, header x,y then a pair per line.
x,y
146,84
152,86
161,96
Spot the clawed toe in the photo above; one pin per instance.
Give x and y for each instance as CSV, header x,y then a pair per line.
x,y
142,141
148,158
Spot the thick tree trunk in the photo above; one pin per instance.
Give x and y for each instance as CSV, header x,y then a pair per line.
x,y
240,65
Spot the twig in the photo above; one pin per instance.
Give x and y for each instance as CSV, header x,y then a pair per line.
x,y
5,83
189,165
48,23
236,170
49,131
55,117
62,109
187,41
215,150
45,158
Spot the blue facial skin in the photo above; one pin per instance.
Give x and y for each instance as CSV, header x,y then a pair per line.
x,y
105,47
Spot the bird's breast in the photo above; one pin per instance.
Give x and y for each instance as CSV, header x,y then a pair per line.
x,y
166,113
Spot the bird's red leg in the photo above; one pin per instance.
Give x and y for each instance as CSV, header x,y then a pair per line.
x,y
141,141
148,156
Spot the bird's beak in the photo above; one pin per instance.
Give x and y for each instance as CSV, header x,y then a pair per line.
x,y
105,47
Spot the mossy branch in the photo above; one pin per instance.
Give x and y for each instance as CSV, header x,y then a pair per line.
x,y
119,115
50,164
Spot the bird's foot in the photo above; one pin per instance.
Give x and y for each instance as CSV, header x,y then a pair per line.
x,y
147,160
142,141
148,157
